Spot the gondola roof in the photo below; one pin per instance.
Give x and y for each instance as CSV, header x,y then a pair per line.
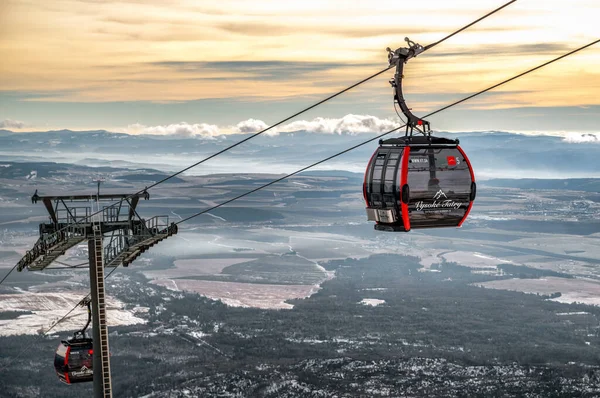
x,y
419,140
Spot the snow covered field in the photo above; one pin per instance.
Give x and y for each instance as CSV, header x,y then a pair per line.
x,y
47,308
584,291
237,294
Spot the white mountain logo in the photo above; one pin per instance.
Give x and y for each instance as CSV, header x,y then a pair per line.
x,y
439,194
441,203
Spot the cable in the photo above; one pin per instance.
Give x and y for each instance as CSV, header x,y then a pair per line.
x,y
388,132
274,125
467,26
9,272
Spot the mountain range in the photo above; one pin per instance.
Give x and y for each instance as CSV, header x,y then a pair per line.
x,y
492,154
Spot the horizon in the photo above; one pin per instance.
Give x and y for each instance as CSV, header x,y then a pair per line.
x,y
494,154
185,130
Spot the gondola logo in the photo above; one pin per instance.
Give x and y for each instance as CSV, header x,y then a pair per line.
x,y
439,194
441,203
84,371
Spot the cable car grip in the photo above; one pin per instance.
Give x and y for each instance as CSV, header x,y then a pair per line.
x,y
86,302
399,57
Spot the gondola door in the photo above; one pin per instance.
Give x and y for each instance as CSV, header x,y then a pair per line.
x,y
382,188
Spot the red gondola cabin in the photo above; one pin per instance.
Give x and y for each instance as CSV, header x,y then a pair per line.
x,y
418,182
73,360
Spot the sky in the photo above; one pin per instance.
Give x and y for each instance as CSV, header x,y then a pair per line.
x,y
227,66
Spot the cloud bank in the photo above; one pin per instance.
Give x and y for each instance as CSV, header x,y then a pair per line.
x,y
11,124
183,130
349,124
250,126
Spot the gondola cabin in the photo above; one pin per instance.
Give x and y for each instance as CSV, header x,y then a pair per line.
x,y
73,360
418,182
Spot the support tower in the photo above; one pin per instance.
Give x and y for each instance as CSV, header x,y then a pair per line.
x,y
116,235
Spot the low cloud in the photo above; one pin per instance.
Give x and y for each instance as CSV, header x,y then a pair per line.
x,y
250,126
179,129
578,138
11,124
349,124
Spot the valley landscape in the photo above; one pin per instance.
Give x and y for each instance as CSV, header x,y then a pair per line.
x,y
239,260
290,292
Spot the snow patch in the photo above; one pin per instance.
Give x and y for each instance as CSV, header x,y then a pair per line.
x,y
572,313
579,138
372,302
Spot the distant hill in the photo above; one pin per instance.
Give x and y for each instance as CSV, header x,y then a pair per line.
x,y
571,184
332,173
49,170
493,154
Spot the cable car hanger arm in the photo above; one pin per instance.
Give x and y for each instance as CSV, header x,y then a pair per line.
x,y
85,302
401,56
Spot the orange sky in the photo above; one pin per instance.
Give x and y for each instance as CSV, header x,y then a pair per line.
x,y
92,51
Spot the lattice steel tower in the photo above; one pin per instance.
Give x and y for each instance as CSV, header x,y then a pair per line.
x,y
128,235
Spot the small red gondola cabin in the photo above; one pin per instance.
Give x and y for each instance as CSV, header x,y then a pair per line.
x,y
73,360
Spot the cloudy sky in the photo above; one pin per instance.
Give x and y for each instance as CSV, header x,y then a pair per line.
x,y
146,66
